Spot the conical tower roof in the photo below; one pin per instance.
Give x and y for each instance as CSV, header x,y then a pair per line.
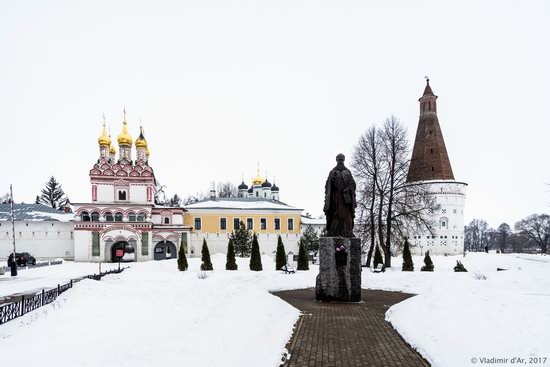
x,y
430,160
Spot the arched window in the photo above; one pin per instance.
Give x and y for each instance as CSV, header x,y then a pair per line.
x,y
121,195
95,217
141,217
166,220
109,217
118,217
85,216
132,217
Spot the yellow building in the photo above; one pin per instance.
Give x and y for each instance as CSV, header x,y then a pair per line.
x,y
215,218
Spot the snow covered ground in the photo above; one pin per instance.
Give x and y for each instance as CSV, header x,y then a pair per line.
x,y
153,314
458,319
34,280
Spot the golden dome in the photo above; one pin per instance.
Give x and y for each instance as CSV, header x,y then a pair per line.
x,y
258,180
124,138
147,151
104,140
140,141
112,150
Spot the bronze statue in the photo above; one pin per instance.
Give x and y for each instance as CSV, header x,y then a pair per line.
x,y
340,200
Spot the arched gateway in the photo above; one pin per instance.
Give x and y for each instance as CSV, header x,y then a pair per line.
x,y
165,250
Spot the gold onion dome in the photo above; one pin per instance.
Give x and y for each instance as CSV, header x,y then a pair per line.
x,y
258,180
112,149
124,138
140,141
104,139
147,151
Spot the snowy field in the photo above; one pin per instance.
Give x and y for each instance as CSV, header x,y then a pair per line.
x,y
34,280
153,314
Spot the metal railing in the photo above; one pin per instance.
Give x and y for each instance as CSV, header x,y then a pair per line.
x,y
29,303
37,265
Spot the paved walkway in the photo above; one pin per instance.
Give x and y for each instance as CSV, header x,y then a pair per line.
x,y
347,334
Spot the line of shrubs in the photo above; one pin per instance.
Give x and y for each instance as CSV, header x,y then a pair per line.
x,y
408,264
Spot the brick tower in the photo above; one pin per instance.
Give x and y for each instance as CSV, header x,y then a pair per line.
x,y
430,166
429,159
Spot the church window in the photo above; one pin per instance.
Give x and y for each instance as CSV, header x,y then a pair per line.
x,y
432,151
249,223
263,224
443,210
122,195
141,217
85,217
223,224
145,243
433,169
257,193
118,217
454,211
442,224
95,243
236,223
95,217
166,220
109,217
290,224
277,223
198,224
132,217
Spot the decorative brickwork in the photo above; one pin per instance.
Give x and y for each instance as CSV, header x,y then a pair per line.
x,y
429,158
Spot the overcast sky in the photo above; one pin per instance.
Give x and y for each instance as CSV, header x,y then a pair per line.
x,y
221,85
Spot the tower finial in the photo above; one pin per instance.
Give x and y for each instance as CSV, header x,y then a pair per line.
x,y
104,119
124,110
427,80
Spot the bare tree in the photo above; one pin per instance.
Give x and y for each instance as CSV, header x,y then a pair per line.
x,y
366,164
226,190
389,208
537,228
504,233
479,234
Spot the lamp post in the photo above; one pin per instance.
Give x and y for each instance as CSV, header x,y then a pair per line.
x,y
13,266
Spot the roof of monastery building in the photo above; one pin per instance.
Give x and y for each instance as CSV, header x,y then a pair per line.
x,y
249,203
33,212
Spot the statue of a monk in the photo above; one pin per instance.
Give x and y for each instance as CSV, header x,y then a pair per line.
x,y
340,200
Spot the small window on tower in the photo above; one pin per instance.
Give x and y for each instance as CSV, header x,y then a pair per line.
x,y
432,151
166,220
122,195
433,169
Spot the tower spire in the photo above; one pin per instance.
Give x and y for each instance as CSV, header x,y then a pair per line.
x,y
430,160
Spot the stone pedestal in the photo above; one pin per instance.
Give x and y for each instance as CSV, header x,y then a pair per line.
x,y
339,276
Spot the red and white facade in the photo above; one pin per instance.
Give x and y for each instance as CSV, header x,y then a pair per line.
x,y
122,214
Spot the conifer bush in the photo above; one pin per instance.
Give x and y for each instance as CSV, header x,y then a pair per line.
x,y
182,259
378,257
255,257
206,263
231,263
428,264
408,264
303,261
280,256
459,268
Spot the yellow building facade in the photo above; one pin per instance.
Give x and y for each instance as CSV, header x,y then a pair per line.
x,y
214,219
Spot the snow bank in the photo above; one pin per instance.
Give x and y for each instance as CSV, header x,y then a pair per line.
x,y
458,317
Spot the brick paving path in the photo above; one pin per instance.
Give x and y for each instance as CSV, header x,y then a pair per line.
x,y
347,334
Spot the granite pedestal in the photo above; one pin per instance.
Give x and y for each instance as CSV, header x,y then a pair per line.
x,y
339,276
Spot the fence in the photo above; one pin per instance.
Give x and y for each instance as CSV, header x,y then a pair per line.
x,y
37,265
29,303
